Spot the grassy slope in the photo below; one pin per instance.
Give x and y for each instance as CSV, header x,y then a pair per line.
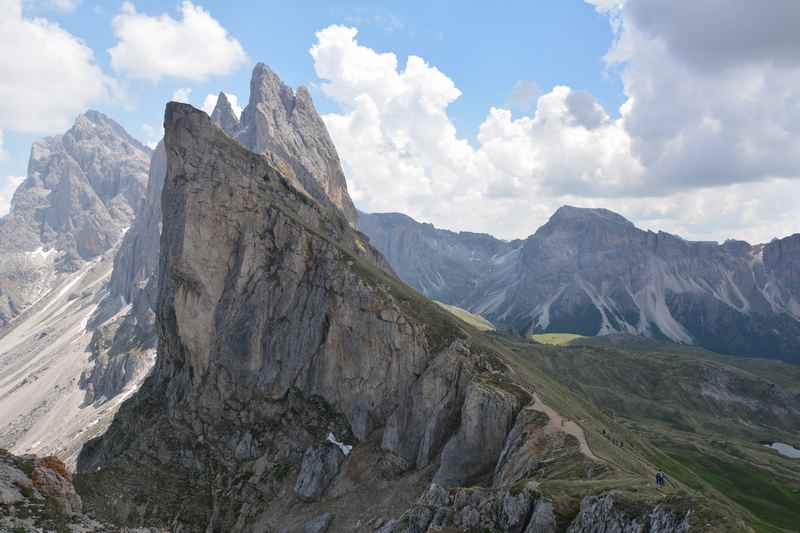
x,y
721,497
556,339
706,454
476,321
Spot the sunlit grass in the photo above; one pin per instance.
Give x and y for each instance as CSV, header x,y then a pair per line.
x,y
556,339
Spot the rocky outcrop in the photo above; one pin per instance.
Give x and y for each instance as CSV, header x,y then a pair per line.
x,y
603,513
318,469
79,197
286,124
592,272
289,328
487,415
37,495
223,115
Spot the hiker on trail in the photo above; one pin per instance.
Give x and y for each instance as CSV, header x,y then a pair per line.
x,y
659,479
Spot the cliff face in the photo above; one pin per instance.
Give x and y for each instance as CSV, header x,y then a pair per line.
x,y
286,123
591,271
283,340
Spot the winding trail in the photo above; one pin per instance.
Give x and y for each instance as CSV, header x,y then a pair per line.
x,y
559,423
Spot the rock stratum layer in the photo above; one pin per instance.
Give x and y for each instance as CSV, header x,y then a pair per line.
x,y
283,339
592,272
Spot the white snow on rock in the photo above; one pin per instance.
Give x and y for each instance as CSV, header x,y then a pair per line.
x,y
346,448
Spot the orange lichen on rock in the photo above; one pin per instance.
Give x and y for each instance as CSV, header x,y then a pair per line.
x,y
51,463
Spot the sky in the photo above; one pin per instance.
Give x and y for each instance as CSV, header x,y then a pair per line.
x,y
479,116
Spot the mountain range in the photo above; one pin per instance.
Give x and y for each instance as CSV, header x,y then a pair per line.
x,y
218,341
592,272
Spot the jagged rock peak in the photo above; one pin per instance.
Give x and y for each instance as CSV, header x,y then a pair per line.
x,y
95,123
223,115
286,124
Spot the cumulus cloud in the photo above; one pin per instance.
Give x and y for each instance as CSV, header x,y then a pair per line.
x,y
182,95
48,75
211,101
667,162
193,47
8,185
710,104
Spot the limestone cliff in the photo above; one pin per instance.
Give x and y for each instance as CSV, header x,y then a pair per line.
x,y
286,123
284,339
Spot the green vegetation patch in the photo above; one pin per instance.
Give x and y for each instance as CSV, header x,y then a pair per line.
x,y
556,339
474,320
767,497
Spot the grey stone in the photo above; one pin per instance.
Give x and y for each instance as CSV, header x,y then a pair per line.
x,y
319,467
542,519
590,270
279,121
487,416
223,115
318,525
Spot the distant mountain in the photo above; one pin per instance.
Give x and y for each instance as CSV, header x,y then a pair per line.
x,y
57,248
80,195
592,272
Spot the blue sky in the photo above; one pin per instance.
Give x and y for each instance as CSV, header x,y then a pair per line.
x,y
634,105
485,50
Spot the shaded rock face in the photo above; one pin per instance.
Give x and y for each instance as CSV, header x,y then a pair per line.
x,y
442,265
80,194
279,121
592,272
122,346
320,465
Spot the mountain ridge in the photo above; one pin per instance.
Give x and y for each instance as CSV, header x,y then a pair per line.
x,y
591,271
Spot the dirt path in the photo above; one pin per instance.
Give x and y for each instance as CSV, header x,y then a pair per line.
x,y
559,423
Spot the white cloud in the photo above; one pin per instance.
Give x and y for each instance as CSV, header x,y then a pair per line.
x,y
152,134
401,152
182,95
710,104
211,101
47,75
194,47
8,185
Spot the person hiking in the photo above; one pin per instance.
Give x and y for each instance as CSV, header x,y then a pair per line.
x,y
659,479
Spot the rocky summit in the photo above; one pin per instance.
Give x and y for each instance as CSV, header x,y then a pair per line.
x,y
80,195
592,272
297,378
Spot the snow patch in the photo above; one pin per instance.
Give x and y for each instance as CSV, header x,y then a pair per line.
x,y
346,448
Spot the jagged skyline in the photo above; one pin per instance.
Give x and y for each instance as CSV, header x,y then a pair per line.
x,y
633,106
